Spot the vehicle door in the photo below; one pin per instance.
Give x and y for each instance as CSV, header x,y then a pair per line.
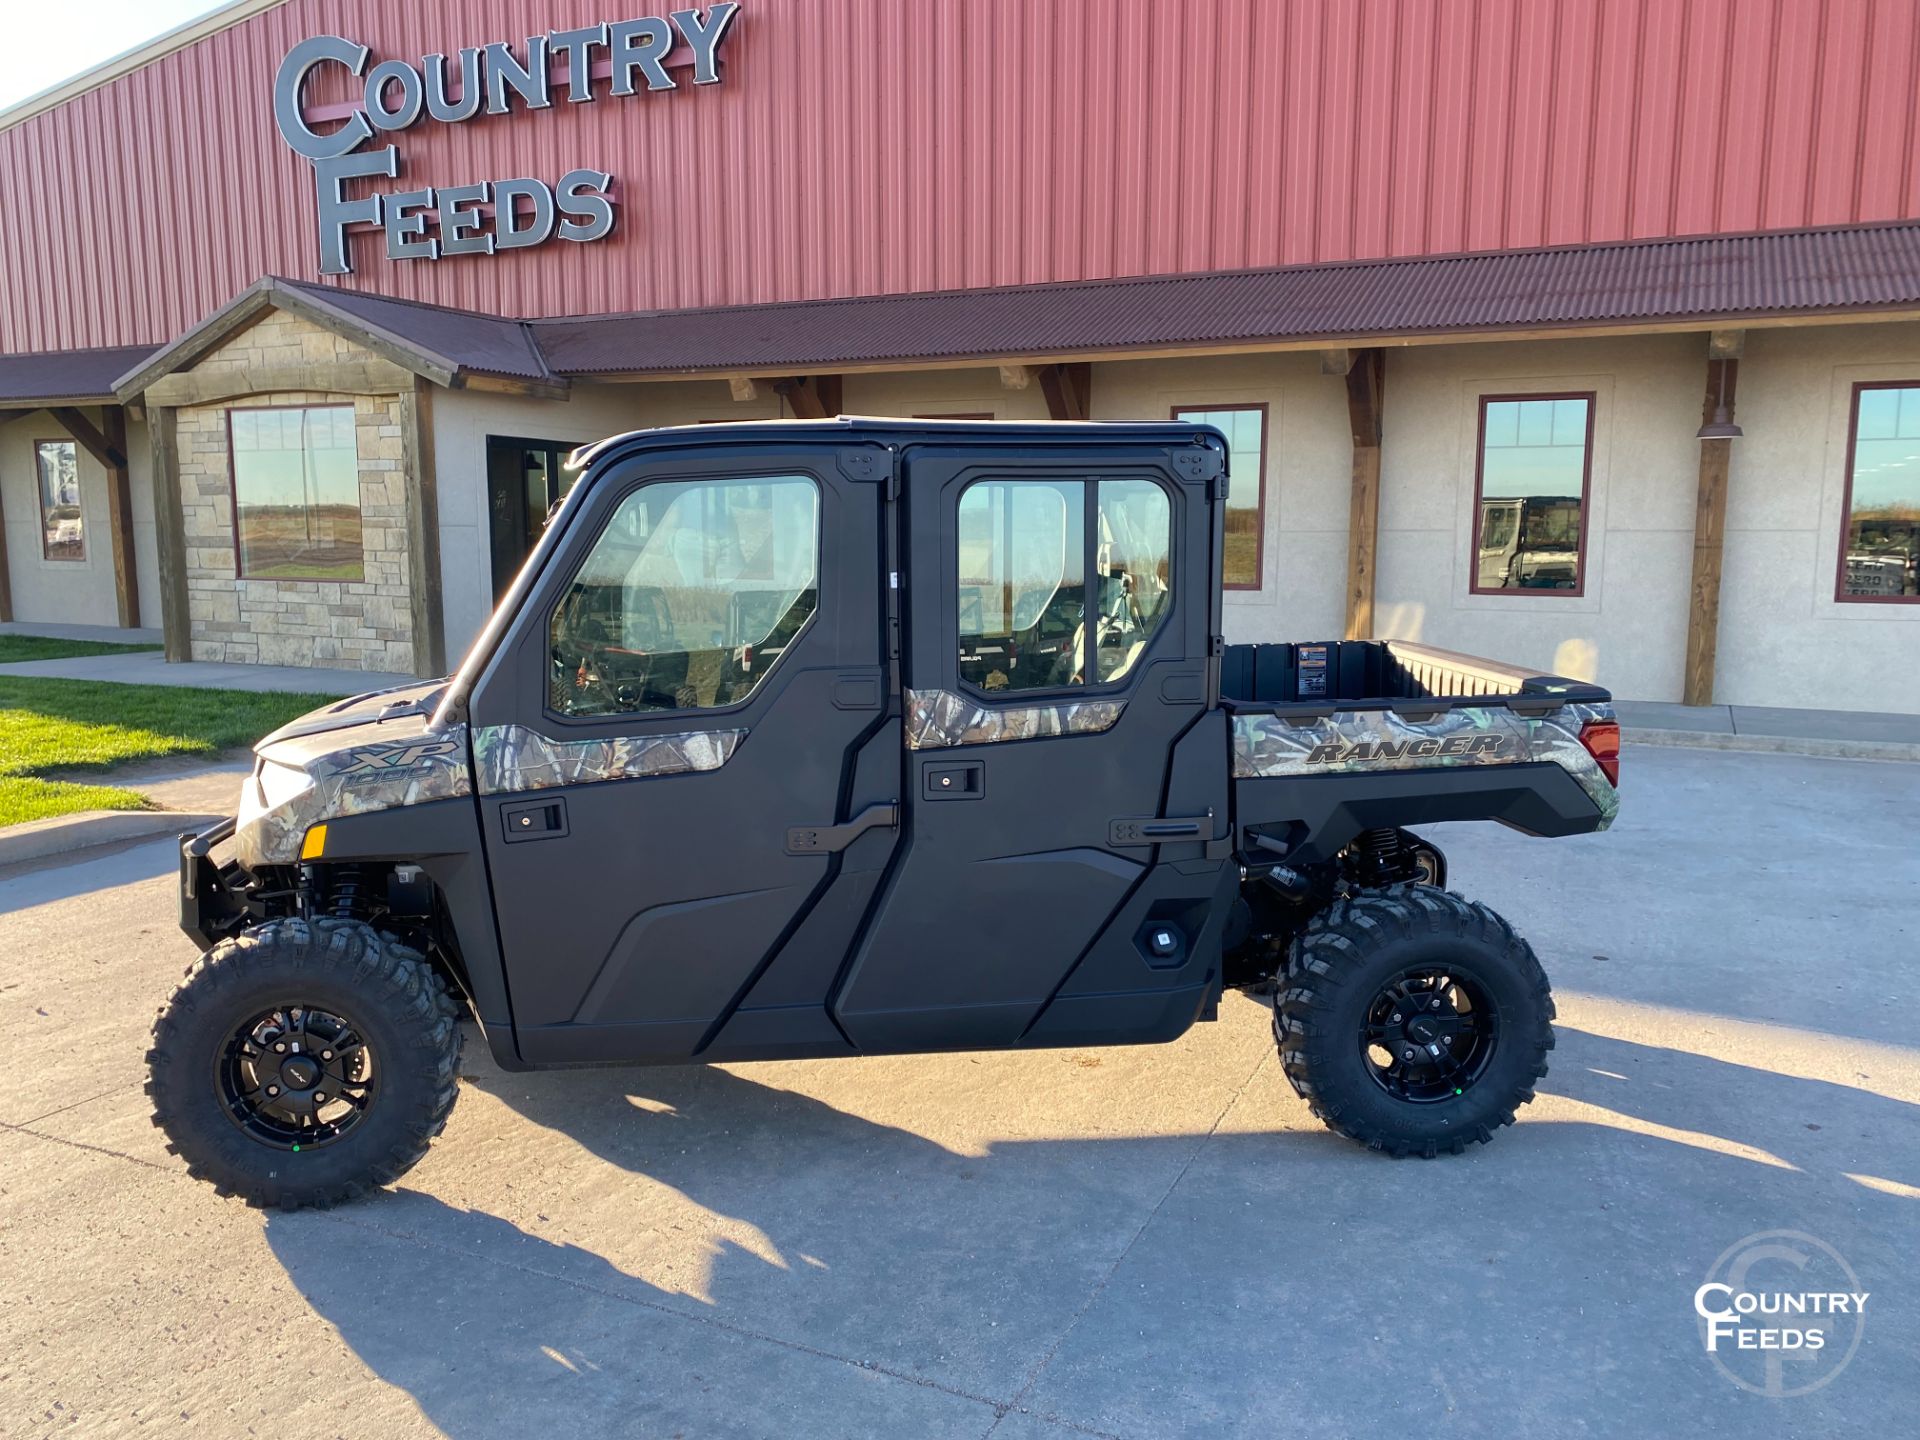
x,y
1058,621
667,736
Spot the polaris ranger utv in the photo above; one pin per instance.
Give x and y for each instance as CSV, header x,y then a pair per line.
x,y
860,737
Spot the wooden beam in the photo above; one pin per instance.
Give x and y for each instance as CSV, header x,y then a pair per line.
x,y
91,440
1015,377
170,531
1709,538
1336,362
126,573
332,377
810,397
1365,379
517,385
427,615
1069,390
742,388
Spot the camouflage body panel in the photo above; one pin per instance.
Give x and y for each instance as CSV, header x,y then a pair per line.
x,y
507,758
939,718
303,780
1357,741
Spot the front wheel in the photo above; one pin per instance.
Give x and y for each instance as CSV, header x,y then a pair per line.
x,y
1412,1020
304,1062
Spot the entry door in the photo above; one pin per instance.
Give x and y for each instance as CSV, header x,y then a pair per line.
x,y
525,480
666,745
1057,653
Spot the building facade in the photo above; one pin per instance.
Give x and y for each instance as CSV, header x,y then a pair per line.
x,y
1584,334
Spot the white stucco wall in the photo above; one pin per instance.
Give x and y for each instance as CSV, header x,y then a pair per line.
x,y
1784,640
462,421
1309,465
73,592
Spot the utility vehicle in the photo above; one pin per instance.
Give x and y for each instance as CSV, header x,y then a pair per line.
x,y
867,736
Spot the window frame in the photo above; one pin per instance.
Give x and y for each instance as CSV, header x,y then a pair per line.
x,y
40,502
1840,595
233,499
821,492
1089,553
1579,590
1179,412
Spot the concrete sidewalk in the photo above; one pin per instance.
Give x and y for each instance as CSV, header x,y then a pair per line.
x,y
1836,734
151,668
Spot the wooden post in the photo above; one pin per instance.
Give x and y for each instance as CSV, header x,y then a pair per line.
x,y
170,530
1365,379
811,397
1069,390
1709,536
427,615
126,571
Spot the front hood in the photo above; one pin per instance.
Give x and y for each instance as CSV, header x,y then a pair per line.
x,y
363,755
375,707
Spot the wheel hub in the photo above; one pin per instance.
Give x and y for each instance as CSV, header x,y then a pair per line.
x,y
1427,1035
296,1077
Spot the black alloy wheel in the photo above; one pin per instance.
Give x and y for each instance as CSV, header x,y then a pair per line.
x,y
297,1077
1429,1035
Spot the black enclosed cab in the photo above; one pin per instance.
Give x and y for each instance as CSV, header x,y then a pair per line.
x,y
863,737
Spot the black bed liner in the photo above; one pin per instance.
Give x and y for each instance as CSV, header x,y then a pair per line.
x,y
1314,680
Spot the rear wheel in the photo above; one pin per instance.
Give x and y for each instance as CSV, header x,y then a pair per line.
x,y
1412,1020
304,1062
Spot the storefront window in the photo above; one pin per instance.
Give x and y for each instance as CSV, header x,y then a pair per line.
x,y
63,532
1880,541
1245,427
1530,493
296,493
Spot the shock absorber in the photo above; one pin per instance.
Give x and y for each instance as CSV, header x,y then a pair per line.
x,y
1376,854
345,898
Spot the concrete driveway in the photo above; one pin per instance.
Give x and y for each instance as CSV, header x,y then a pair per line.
x,y
1125,1242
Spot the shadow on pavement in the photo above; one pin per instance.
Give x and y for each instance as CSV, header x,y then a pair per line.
x,y
1271,1274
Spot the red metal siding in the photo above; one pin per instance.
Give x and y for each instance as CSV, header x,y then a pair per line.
x,y
874,146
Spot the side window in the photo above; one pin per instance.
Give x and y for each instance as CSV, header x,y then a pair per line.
x,y
1136,531
1245,427
1026,559
1531,492
1023,590
689,597
1880,527
63,534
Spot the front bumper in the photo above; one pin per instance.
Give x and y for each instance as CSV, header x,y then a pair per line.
x,y
210,909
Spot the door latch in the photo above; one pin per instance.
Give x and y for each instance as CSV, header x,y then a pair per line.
x,y
534,820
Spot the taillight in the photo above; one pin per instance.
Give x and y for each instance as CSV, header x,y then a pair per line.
x,y
1602,739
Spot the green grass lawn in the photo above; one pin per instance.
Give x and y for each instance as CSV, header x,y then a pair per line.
x,y
66,725
42,647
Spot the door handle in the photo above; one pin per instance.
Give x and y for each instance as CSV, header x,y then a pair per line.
x,y
534,820
825,839
1159,829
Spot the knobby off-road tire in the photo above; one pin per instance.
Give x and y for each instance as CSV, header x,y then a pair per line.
x,y
1336,972
337,970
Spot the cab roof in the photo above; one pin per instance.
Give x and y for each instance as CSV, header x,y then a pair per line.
x,y
887,429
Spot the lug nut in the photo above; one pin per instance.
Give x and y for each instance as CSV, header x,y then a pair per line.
x,y
1406,1054
273,1089
1436,1002
326,1054
280,1048
1396,1018
319,1097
